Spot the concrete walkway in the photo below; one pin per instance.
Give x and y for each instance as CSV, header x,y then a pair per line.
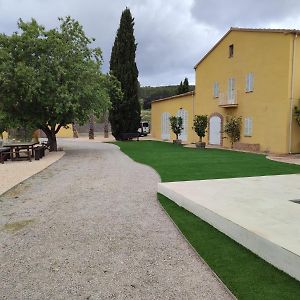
x,y
90,227
261,213
289,159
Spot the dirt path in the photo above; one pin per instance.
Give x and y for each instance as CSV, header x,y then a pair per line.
x,y
90,227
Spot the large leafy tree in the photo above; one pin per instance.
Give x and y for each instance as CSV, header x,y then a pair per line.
x,y
51,78
125,115
3,123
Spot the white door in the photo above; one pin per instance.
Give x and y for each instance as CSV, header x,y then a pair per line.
x,y
215,130
184,133
165,126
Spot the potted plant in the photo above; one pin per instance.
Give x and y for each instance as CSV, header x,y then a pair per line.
x,y
200,126
177,127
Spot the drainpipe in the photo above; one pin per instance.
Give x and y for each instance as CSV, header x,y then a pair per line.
x,y
292,92
193,116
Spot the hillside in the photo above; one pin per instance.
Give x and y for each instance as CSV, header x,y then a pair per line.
x,y
149,93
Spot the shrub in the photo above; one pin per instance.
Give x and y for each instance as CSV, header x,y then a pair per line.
x,y
297,114
233,129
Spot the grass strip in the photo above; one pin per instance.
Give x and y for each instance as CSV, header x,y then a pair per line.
x,y
244,273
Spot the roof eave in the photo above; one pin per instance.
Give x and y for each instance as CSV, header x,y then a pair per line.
x,y
174,97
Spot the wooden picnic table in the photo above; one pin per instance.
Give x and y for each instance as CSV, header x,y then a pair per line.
x,y
21,147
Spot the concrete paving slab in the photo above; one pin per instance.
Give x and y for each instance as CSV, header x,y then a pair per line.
x,y
14,172
257,212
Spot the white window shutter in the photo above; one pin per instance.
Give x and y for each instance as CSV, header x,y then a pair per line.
x,y
165,125
246,127
216,89
250,126
231,89
251,82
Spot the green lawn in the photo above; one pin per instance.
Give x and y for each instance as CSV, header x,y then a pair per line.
x,y
175,163
245,274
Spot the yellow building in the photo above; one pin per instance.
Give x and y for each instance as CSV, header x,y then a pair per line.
x,y
251,73
63,133
161,110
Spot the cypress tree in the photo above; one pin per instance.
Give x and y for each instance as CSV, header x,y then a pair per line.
x,y
123,67
180,88
185,86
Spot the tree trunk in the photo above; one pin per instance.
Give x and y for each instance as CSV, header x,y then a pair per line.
x,y
75,131
106,124
51,135
92,127
52,142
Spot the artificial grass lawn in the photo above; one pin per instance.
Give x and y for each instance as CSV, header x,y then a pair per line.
x,y
244,273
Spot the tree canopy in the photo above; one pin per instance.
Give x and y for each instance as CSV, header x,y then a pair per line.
x,y
200,125
176,124
233,128
51,78
125,117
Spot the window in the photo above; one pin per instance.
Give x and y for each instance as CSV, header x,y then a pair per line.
x,y
248,126
230,50
216,89
249,82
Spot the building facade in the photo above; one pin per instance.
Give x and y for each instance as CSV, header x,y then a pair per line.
x,y
253,74
161,110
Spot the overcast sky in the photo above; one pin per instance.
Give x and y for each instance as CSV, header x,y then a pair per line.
x,y
172,35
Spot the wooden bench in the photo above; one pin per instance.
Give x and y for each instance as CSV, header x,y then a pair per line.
x,y
4,154
39,152
46,145
125,136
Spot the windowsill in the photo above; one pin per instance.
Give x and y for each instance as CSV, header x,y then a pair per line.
x,y
247,136
248,92
215,97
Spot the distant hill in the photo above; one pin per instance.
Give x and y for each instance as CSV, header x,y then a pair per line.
x,y
150,93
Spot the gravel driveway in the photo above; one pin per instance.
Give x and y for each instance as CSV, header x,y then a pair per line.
x,y
90,227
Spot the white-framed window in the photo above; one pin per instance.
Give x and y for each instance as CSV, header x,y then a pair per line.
x,y
248,124
216,90
249,82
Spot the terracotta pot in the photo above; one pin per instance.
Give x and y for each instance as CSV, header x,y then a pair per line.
x,y
200,145
177,142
